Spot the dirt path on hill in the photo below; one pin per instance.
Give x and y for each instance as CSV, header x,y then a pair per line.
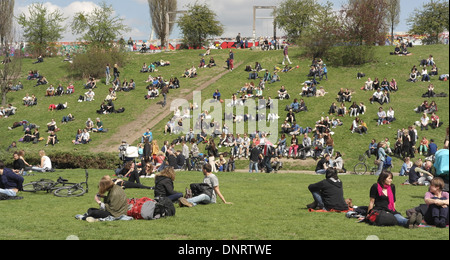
x,y
150,117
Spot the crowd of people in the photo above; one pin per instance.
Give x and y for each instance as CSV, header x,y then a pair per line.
x,y
317,141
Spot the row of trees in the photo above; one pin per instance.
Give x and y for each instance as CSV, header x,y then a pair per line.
x,y
99,28
358,25
41,27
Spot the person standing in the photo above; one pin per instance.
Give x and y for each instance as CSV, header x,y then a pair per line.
x,y
212,154
268,152
255,155
116,72
238,41
108,74
164,92
231,60
381,157
286,55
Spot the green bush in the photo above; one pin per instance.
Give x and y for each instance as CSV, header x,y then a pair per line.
x,y
350,55
70,160
93,62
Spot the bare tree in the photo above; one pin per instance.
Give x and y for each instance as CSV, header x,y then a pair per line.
x,y
158,10
6,18
10,67
364,21
392,15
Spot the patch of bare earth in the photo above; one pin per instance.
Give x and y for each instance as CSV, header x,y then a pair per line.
x,y
150,117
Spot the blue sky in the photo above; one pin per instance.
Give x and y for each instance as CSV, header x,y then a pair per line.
x,y
235,15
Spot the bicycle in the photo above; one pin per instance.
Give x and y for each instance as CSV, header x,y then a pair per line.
x,y
197,163
60,188
361,167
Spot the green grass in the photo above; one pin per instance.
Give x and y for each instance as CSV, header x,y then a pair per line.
x,y
350,145
265,207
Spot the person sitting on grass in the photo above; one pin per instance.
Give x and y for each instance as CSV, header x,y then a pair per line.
x,y
383,197
46,163
323,164
52,138
328,194
10,182
210,196
115,202
164,185
437,202
99,127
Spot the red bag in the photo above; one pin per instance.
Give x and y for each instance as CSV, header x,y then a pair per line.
x,y
135,207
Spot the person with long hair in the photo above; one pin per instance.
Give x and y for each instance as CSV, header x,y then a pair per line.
x,y
383,197
164,185
212,153
115,202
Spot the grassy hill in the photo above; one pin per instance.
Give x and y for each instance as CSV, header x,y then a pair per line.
x,y
350,145
265,206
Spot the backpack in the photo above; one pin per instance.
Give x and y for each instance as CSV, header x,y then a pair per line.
x,y
381,218
142,208
201,188
164,208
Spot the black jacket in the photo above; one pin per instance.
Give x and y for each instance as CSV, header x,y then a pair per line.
x,y
332,194
163,186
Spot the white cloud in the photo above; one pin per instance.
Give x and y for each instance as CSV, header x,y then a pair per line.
x,y
67,11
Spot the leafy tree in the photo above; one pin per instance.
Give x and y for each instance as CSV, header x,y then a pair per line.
x,y
430,20
321,34
41,27
198,24
364,22
99,27
294,16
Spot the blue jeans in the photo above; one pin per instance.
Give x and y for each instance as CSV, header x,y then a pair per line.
x,y
403,170
253,165
318,199
202,198
402,221
10,193
38,169
380,168
321,171
175,197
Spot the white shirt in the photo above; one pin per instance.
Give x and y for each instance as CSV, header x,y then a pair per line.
x,y
47,162
390,113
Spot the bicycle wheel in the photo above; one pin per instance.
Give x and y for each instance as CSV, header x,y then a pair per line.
x,y
70,191
38,186
360,168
